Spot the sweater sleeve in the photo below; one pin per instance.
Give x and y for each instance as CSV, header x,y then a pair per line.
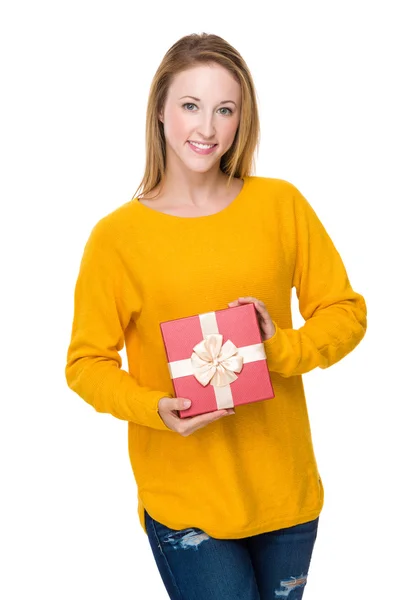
x,y
101,315
335,315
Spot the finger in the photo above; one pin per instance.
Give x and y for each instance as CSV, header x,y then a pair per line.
x,y
259,305
240,301
206,423
252,299
206,418
193,423
261,308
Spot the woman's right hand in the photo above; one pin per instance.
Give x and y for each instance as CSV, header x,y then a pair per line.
x,y
168,407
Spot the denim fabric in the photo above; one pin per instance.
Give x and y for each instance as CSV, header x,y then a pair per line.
x,y
268,566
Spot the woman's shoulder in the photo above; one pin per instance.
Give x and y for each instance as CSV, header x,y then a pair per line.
x,y
114,224
273,184
277,192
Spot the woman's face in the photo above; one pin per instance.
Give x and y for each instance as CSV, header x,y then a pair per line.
x,y
202,105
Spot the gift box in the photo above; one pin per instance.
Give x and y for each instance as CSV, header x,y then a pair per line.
x,y
217,359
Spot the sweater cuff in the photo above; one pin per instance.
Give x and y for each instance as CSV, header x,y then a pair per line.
x,y
152,417
278,351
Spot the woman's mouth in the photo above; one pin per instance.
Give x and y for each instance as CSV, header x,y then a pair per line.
x,y
202,148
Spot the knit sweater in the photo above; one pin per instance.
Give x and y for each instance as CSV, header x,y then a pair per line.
x,y
255,471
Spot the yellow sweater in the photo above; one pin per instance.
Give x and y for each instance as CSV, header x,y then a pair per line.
x,y
254,471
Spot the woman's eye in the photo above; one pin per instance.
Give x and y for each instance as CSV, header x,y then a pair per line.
x,y
229,110
192,104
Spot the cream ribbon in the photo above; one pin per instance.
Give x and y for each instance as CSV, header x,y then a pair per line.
x,y
209,327
214,362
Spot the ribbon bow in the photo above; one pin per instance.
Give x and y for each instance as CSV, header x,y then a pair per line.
x,y
214,362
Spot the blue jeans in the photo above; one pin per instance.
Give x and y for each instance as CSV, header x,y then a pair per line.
x,y
268,566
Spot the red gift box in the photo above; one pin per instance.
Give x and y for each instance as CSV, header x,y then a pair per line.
x,y
217,359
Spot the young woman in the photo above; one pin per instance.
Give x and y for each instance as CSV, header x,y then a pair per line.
x,y
230,506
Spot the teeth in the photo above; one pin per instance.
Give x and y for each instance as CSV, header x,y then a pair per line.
x,y
204,146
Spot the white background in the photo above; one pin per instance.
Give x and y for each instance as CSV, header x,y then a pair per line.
x,y
336,84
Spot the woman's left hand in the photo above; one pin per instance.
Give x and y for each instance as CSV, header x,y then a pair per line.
x,y
266,326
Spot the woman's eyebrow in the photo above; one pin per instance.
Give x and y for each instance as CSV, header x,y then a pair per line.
x,y
198,100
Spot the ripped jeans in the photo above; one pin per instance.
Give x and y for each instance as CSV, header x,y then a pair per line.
x,y
268,566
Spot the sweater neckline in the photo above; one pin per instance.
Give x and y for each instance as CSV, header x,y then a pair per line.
x,y
223,211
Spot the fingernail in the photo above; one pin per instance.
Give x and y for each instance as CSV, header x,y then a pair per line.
x,y
187,403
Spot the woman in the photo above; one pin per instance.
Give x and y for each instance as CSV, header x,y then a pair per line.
x,y
230,506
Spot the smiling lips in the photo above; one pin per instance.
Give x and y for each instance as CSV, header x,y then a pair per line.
x,y
202,148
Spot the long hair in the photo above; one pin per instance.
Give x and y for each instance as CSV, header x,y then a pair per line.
x,y
190,51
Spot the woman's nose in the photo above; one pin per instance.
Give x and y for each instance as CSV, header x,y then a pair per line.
x,y
206,127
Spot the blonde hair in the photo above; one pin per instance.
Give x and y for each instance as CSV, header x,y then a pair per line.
x,y
190,51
